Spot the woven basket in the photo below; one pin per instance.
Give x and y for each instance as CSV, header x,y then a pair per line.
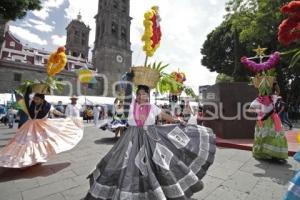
x,y
41,88
258,79
145,76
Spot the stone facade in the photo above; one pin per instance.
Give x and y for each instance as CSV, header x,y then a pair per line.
x,y
112,54
77,43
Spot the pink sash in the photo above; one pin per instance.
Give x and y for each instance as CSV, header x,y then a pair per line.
x,y
140,113
267,100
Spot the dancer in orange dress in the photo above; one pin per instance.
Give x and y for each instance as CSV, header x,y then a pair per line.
x,y
39,137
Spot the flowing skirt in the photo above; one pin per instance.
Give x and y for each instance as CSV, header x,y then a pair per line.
x,y
294,187
39,139
161,162
268,144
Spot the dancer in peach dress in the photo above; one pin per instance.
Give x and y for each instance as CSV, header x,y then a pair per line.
x,y
39,137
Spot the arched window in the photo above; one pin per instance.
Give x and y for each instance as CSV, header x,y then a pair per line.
x,y
115,4
123,33
12,44
114,29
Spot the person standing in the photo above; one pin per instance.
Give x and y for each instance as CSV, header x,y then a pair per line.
x,y
11,117
96,113
282,110
200,115
119,122
73,109
187,111
60,108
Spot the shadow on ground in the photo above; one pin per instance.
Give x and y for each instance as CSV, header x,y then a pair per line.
x,y
111,140
279,172
42,170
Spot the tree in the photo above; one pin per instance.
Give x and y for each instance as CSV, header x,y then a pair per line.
x,y
219,52
256,23
223,78
15,9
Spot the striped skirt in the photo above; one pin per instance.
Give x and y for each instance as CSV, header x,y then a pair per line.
x,y
269,144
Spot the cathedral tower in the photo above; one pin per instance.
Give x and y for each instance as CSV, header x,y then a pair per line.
x,y
78,38
112,53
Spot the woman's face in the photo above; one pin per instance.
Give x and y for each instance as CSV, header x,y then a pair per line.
x,y
142,97
37,100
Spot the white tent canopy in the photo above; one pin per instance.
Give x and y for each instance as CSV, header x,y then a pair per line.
x,y
82,100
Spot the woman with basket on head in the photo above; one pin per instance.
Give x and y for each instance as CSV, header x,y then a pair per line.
x,y
39,137
152,162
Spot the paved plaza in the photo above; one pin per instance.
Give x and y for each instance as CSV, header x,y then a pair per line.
x,y
235,175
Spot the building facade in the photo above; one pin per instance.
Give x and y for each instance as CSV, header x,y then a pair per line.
x,y
112,54
77,43
19,62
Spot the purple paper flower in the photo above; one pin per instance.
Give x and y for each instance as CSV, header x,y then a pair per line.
x,y
258,67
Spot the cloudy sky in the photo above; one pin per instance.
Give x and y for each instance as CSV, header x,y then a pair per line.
x,y
185,24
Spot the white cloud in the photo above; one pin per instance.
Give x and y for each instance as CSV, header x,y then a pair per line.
x,y
27,35
41,26
53,3
58,40
26,24
185,25
47,7
42,14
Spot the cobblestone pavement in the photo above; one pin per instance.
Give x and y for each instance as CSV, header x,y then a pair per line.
x,y
235,175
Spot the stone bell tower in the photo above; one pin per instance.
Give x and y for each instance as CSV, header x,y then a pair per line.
x,y
112,53
77,44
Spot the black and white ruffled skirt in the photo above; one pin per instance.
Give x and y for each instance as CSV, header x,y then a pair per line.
x,y
159,163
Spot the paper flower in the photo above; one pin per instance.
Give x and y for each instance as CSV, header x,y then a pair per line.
x,y
289,29
259,67
152,34
56,62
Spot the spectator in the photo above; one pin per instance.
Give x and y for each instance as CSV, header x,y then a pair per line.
x,y
59,107
282,110
96,113
73,109
11,117
200,116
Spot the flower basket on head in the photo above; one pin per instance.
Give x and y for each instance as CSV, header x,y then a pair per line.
x,y
41,88
259,80
145,76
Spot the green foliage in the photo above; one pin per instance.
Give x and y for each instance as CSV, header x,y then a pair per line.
x,y
17,9
159,67
256,23
51,82
223,78
219,52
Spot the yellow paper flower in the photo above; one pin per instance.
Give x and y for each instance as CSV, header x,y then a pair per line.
x,y
56,62
152,34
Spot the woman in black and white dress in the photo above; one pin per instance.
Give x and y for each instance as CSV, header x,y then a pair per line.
x,y
153,162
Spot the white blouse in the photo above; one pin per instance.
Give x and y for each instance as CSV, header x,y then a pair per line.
x,y
154,112
259,107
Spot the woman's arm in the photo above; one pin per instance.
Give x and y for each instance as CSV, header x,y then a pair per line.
x,y
56,112
169,118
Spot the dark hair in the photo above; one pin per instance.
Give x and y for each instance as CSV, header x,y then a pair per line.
x,y
42,96
143,87
275,88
